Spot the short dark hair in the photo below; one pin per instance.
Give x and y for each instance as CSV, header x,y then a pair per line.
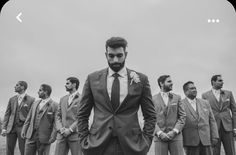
x,y
162,79
74,80
214,78
116,42
47,89
24,84
185,86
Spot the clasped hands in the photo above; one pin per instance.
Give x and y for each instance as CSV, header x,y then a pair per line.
x,y
65,131
167,136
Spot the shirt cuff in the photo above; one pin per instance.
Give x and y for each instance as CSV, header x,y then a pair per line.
x,y
176,130
234,129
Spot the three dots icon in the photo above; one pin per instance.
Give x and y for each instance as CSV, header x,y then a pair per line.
x,y
213,20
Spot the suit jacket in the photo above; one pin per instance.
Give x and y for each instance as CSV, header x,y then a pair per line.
x,y
10,113
225,111
122,122
200,125
67,116
169,117
47,127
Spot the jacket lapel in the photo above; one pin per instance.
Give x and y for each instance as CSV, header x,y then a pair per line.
x,y
192,111
23,101
65,103
45,107
212,96
103,85
73,101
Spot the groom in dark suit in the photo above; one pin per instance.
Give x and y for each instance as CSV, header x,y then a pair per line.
x,y
116,93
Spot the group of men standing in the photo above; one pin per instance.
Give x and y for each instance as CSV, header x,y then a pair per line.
x,y
115,94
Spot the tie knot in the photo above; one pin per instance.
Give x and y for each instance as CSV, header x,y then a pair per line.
x,y
115,75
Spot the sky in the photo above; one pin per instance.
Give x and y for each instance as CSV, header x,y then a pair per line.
x,y
58,39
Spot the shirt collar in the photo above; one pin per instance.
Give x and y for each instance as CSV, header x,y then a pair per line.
x,y
22,95
122,72
164,93
191,101
73,94
216,91
46,100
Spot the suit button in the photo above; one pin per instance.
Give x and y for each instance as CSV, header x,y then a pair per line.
x,y
110,128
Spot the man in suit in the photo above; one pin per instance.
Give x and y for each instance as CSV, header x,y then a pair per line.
x,y
115,94
66,121
170,119
224,109
39,128
15,115
200,130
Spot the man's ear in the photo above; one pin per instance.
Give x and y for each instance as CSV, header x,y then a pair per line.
x,y
126,53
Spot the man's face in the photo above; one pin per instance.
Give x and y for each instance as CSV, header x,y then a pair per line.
x,y
116,58
41,93
191,92
18,87
218,84
167,85
69,86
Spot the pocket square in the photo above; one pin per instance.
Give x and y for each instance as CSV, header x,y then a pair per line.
x,y
50,113
25,105
227,99
173,104
75,106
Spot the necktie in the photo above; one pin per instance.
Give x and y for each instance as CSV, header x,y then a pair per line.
x,y
70,99
19,100
115,92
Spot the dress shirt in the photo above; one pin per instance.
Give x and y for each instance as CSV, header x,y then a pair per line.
x,y
216,94
43,102
123,78
193,103
71,97
165,97
20,98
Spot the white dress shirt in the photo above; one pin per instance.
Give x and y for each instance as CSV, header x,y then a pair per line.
x,y
193,103
123,78
165,97
43,102
20,98
216,94
71,97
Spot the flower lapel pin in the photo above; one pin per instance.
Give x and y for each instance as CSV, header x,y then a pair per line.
x,y
134,77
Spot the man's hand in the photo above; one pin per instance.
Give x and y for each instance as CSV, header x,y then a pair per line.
x,y
23,135
234,133
62,130
163,136
4,132
171,134
66,132
214,141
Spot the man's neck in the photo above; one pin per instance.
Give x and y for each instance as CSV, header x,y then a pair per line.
x,y
215,88
72,91
21,92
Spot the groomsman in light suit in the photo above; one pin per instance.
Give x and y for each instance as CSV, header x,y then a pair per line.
x,y
17,110
224,109
116,94
170,119
66,121
200,130
39,128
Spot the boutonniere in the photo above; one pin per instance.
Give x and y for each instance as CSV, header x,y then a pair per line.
x,y
222,92
134,77
24,98
76,96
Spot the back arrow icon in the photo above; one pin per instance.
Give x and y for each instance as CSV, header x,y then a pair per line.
x,y
18,17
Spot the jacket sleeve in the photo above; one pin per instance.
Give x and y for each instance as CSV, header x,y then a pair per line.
x,y
181,116
27,121
148,109
86,105
74,125
233,109
58,118
7,116
212,123
54,130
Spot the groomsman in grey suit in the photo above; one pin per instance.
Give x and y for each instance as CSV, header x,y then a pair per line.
x,y
17,110
224,109
170,119
116,93
200,130
39,128
66,121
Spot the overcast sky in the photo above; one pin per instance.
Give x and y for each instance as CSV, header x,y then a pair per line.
x,y
59,38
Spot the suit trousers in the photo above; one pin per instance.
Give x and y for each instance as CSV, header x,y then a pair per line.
x,y
64,145
33,145
11,139
113,147
174,147
198,150
226,137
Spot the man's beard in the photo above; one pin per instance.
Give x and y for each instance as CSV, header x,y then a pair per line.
x,y
116,67
68,89
167,88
